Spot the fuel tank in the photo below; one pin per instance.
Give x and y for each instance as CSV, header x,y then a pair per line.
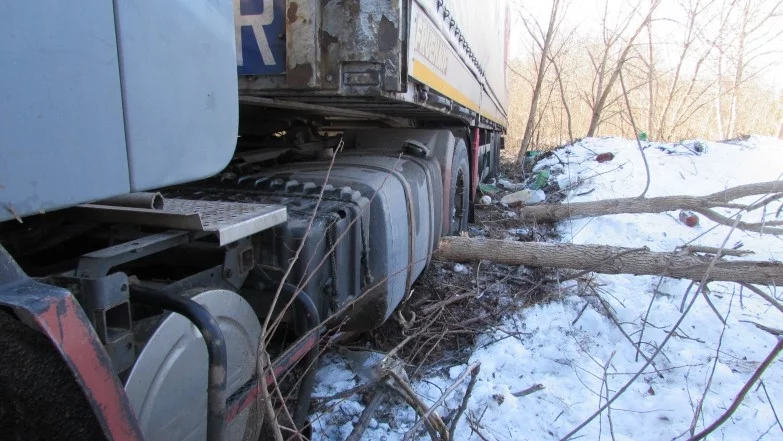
x,y
380,212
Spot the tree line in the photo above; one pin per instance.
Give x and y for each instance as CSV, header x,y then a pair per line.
x,y
673,69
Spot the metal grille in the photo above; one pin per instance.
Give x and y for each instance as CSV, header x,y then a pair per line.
x,y
230,220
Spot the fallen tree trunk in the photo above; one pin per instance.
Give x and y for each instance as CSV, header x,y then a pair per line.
x,y
548,213
608,260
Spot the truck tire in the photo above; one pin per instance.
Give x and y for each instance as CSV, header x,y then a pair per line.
x,y
459,202
39,396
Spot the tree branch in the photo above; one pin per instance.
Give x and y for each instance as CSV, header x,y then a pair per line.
x,y
741,395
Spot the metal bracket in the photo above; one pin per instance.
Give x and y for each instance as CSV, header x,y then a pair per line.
x,y
238,262
98,263
105,301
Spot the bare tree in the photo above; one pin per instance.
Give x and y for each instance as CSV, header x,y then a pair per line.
x,y
650,79
680,66
564,100
755,33
694,8
780,111
544,42
688,92
606,66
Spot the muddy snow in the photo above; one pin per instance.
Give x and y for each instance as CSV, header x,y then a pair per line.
x,y
582,347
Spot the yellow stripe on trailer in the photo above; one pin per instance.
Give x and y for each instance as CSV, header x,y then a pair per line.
x,y
427,76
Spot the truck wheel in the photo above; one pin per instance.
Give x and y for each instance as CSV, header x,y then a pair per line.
x,y
460,189
39,397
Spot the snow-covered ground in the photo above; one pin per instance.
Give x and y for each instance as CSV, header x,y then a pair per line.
x,y
568,356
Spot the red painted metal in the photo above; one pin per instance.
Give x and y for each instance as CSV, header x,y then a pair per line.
x,y
56,314
447,190
474,154
281,365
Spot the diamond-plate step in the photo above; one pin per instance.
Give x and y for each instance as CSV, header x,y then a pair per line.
x,y
230,221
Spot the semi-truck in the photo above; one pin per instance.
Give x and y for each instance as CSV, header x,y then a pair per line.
x,y
178,179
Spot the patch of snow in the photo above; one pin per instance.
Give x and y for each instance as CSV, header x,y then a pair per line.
x,y
566,180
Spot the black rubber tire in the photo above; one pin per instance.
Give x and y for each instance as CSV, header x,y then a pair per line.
x,y
39,397
459,199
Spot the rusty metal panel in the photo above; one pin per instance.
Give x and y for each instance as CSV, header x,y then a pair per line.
x,y
352,47
302,24
362,45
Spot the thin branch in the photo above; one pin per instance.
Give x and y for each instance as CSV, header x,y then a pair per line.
x,y
266,399
636,135
472,370
741,395
464,405
532,389
606,385
769,400
647,316
764,296
434,424
744,226
773,331
364,420
341,395
712,305
700,404
622,331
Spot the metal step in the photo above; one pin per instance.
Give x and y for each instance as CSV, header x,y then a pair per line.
x,y
229,221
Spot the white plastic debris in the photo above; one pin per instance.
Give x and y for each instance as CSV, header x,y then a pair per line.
x,y
508,185
460,268
485,200
526,197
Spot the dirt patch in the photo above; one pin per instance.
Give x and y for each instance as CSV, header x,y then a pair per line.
x,y
451,306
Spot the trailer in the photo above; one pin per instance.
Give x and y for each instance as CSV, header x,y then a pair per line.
x,y
180,180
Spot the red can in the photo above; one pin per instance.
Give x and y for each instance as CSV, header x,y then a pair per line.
x,y
689,218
